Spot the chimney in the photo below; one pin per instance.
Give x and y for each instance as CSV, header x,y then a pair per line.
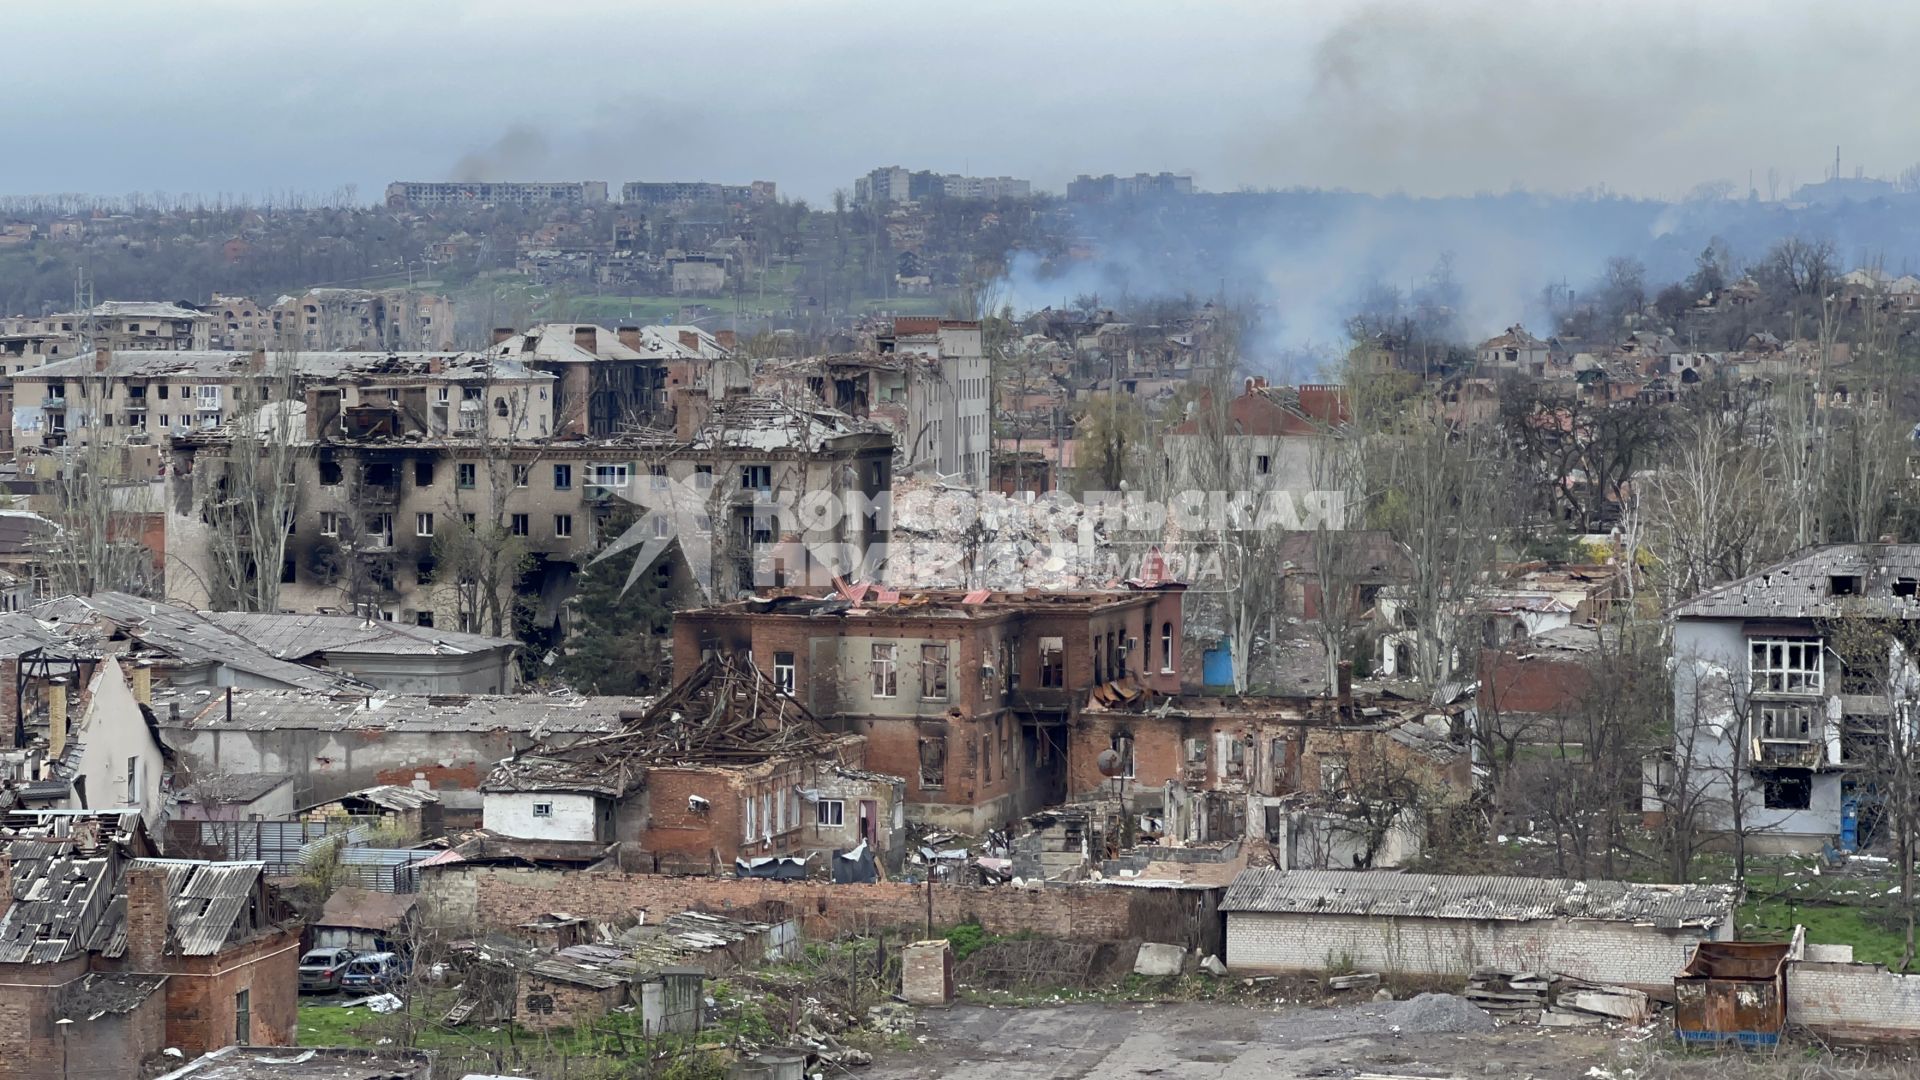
x,y
101,357
1346,684
501,333
630,337
56,716
146,919
726,339
6,874
587,337
690,339
143,682
436,365
690,409
259,362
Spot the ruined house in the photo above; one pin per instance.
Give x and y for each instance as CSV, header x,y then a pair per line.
x,y
969,696
1787,684
138,953
727,766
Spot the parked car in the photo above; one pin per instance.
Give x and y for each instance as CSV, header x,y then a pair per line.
x,y
372,971
321,969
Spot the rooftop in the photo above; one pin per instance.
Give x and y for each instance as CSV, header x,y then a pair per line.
x,y
1476,897
299,636
364,909
271,710
163,631
1877,580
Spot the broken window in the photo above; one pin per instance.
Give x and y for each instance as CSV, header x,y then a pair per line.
x,y
1906,588
466,474
1166,648
933,762
543,809
1788,790
1784,723
1099,661
986,759
1843,585
1053,662
886,680
933,673
1263,464
1012,651
1196,752
1334,777
1791,666
540,1003
520,475
562,477
783,672
423,474
756,477
1277,755
330,471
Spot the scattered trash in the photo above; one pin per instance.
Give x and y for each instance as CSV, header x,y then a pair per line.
x,y
384,1003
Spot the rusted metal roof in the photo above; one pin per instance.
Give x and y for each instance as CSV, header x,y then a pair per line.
x,y
1484,898
207,905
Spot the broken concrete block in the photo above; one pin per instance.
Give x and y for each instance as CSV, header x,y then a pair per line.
x,y
1363,981
1614,1001
1157,959
1213,966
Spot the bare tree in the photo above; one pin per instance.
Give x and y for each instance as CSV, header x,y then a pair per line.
x,y
1714,513
249,498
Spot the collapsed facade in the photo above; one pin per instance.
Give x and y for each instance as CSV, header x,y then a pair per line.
x,y
726,768
969,696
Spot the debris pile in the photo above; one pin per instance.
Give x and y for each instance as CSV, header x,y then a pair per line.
x,y
949,537
1553,1000
1438,1013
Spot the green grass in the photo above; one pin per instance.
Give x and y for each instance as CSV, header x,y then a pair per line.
x,y
331,1025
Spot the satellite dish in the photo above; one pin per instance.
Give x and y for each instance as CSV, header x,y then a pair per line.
x,y
1109,762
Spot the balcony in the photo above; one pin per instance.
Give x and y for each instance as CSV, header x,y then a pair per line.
x,y
135,405
54,404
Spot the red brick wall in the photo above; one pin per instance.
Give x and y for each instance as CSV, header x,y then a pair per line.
x,y
116,1045
200,994
29,996
493,896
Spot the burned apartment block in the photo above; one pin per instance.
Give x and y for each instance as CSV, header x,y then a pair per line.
x,y
1789,686
407,481
972,697
615,381
723,772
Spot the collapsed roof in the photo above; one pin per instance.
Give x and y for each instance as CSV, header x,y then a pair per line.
x,y
725,713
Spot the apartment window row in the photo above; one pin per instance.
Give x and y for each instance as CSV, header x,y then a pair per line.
x,y
935,671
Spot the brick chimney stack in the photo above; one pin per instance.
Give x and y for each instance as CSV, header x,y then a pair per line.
x,y
726,338
143,682
587,337
630,337
146,918
6,874
690,339
258,363
56,716
501,333
101,358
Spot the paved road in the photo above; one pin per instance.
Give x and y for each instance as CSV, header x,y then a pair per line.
x,y
1216,1042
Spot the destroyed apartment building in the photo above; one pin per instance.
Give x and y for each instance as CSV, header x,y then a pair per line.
x,y
146,397
378,488
972,697
726,771
109,956
926,381
1785,684
612,381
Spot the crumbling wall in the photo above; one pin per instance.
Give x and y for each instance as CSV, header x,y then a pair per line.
x,y
1853,1001
465,896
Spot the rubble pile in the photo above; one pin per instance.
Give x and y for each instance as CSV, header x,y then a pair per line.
x,y
1438,1013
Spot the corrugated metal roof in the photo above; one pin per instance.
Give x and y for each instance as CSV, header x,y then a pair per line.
x,y
1502,899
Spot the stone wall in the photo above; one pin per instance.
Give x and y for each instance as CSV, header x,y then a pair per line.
x,y
465,896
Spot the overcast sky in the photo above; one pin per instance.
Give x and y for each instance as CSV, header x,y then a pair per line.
x,y
1447,96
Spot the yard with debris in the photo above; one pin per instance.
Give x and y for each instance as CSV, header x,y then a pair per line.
x,y
1422,1039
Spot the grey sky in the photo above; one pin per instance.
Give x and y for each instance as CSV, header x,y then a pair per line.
x,y
1430,98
